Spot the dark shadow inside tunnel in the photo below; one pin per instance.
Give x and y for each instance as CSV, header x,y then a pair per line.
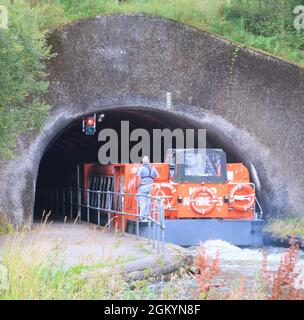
x,y
72,147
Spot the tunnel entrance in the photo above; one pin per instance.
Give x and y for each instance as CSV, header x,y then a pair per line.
x,y
72,148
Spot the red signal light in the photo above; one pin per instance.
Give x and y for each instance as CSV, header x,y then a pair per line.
x,y
90,122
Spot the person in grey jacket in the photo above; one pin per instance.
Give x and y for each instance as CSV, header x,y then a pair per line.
x,y
145,176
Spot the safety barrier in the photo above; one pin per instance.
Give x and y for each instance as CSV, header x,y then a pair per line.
x,y
112,204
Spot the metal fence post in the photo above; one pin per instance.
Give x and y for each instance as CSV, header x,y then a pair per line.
x,y
163,227
79,204
109,209
88,205
153,229
98,204
137,218
123,212
159,213
150,222
79,207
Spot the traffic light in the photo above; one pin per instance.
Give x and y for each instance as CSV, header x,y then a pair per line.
x,y
89,125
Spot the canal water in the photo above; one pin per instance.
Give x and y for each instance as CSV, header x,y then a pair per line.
x,y
238,265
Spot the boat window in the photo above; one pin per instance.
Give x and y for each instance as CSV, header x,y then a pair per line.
x,y
198,165
194,165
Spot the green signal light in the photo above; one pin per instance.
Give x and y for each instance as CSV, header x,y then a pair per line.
x,y
90,131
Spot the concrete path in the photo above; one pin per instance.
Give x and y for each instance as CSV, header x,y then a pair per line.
x,y
87,244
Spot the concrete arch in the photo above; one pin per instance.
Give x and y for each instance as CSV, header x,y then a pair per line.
x,y
250,101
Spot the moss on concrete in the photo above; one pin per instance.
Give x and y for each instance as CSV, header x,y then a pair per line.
x,y
284,226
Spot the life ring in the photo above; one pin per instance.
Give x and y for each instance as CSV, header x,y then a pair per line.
x,y
249,196
212,203
158,191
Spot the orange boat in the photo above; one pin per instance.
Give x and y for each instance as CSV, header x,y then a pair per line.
x,y
204,197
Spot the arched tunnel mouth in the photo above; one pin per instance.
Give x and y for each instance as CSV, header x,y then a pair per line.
x,y
71,148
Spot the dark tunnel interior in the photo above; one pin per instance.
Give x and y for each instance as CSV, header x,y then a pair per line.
x,y
72,147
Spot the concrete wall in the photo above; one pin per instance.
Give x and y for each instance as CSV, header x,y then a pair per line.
x,y
251,101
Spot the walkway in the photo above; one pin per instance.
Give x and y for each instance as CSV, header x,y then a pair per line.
x,y
87,244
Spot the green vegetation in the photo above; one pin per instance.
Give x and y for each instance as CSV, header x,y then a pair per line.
x,y
22,76
266,25
284,226
32,270
37,271
262,24
5,226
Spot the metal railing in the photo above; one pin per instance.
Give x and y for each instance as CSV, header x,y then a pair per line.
x,y
112,205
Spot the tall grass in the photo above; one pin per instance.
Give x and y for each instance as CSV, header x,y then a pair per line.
x,y
37,273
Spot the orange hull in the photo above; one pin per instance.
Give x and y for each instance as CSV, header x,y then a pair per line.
x,y
187,199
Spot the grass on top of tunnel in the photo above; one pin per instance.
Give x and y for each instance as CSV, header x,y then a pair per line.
x,y
234,20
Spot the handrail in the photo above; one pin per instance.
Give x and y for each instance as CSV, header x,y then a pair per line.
x,y
155,220
128,194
